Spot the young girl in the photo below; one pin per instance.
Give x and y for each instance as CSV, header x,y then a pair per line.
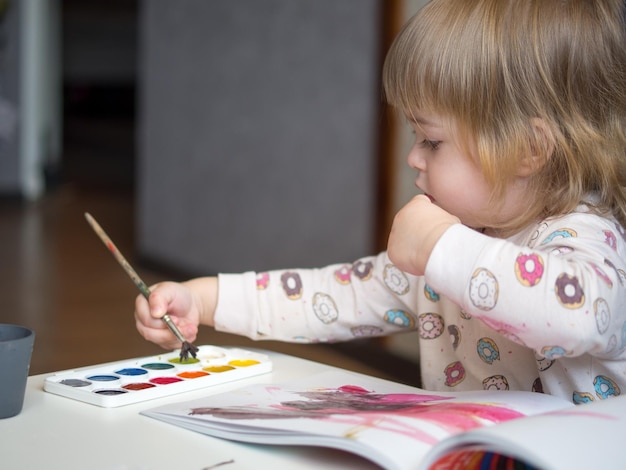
x,y
511,265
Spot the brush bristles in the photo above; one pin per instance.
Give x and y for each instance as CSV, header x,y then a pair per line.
x,y
186,349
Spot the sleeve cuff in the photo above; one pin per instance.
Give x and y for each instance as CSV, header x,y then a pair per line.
x,y
453,259
236,302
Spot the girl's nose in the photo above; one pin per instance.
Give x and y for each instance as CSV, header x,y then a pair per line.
x,y
416,160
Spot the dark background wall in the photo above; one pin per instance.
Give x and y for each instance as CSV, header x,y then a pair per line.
x,y
258,132
249,132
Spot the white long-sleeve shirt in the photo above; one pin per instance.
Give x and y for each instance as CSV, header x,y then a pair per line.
x,y
544,310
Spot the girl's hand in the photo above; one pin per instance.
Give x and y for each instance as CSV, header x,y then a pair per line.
x,y
185,305
416,229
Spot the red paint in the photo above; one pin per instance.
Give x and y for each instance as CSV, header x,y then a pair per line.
x,y
138,386
165,380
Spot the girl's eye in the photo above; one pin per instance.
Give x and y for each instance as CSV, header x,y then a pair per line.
x,y
430,144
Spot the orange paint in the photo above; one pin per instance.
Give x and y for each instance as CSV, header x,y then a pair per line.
x,y
192,374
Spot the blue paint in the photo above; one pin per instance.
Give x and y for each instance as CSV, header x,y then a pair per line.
x,y
157,366
131,371
103,378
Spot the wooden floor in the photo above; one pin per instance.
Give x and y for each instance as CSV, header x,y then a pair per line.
x,y
58,279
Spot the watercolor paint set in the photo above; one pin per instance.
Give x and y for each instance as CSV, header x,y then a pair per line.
x,y
141,379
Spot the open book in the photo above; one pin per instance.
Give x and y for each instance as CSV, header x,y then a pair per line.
x,y
402,427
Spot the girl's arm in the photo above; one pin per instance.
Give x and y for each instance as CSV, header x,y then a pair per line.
x,y
565,296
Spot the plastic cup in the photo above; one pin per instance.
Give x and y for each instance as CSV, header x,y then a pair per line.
x,y
16,348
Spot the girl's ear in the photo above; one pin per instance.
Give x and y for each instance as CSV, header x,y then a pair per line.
x,y
541,148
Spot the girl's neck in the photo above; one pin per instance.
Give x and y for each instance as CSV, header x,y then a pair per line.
x,y
490,232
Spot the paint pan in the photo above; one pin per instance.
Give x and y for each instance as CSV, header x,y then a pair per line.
x,y
140,379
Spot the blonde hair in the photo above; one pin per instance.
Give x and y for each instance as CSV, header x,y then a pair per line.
x,y
496,68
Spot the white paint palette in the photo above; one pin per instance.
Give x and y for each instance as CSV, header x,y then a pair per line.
x,y
146,378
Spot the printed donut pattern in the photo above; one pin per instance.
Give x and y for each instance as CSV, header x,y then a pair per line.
x,y
568,291
529,269
342,274
431,294
562,250
292,284
325,308
582,397
454,373
455,336
399,318
540,229
605,387
487,359
363,270
364,331
496,382
610,239
602,275
488,350
464,315
262,280
483,289
602,314
395,280
430,325
543,362
554,352
620,272
561,233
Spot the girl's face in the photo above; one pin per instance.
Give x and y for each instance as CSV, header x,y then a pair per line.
x,y
454,180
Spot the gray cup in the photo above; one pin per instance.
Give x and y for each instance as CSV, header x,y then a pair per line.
x,y
16,347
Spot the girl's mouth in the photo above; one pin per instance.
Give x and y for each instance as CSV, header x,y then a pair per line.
x,y
432,199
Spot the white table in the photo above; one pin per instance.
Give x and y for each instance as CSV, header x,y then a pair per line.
x,y
57,432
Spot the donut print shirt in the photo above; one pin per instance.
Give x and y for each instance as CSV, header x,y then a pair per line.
x,y
544,310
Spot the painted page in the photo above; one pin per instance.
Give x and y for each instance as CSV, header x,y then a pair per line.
x,y
583,437
391,424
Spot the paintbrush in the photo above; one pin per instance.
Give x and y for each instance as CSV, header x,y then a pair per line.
x,y
186,347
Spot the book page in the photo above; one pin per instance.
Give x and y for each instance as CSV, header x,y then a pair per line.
x,y
393,425
583,437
